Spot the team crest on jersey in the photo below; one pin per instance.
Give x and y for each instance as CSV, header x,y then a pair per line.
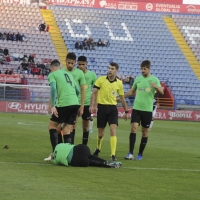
x,y
114,93
86,78
148,89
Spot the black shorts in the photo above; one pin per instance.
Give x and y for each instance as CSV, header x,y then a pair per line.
x,y
106,113
142,117
66,114
80,156
86,113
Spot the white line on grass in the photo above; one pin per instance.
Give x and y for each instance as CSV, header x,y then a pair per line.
x,y
135,168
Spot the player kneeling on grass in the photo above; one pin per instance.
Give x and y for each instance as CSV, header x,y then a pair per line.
x,y
79,156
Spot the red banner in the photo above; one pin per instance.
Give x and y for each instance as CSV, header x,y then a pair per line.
x,y
23,107
5,78
177,115
127,5
41,108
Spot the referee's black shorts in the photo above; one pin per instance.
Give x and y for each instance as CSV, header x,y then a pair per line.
x,y
66,114
80,156
107,114
141,117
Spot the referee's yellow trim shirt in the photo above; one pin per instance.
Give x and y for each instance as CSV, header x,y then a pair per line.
x,y
108,90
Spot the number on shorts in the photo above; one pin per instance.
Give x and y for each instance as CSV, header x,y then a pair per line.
x,y
68,79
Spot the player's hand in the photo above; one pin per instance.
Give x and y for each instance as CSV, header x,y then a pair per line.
x,y
117,98
49,109
125,116
153,85
92,109
80,111
54,111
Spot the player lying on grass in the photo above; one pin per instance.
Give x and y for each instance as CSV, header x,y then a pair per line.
x,y
79,156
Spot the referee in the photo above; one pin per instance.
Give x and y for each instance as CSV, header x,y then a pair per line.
x,y
104,94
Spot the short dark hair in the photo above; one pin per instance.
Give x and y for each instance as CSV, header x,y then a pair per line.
x,y
114,65
82,58
71,56
55,63
146,63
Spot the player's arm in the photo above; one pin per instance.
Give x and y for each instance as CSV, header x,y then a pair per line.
x,y
158,87
123,102
53,93
93,100
129,93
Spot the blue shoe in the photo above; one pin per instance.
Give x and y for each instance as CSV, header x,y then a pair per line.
x,y
139,157
90,131
129,156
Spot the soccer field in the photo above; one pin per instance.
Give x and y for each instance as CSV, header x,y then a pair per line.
x,y
170,169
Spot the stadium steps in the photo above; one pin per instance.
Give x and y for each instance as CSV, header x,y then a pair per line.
x,y
55,35
183,45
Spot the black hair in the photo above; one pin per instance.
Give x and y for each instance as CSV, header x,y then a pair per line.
x,y
71,56
55,63
82,58
114,65
146,63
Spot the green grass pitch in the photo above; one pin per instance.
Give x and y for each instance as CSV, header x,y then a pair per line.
x,y
170,169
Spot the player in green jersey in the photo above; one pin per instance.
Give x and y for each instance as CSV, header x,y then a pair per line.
x,y
80,80
90,78
65,108
145,86
79,156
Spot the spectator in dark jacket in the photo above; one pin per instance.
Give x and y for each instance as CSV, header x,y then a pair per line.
x,y
5,52
78,45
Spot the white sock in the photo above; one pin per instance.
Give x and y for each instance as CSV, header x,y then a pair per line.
x,y
91,124
151,125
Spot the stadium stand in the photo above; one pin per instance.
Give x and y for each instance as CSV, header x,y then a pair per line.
x,y
25,19
133,36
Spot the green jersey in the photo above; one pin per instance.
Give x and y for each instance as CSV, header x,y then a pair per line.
x,y
144,92
90,78
65,85
78,76
62,154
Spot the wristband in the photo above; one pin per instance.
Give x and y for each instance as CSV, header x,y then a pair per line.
x,y
127,112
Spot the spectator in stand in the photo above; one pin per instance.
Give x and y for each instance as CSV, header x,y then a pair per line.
x,y
18,37
103,43
91,43
131,80
14,37
78,45
24,38
1,51
6,52
5,36
9,71
25,58
47,28
108,43
31,58
35,70
9,36
1,36
84,44
42,27
23,66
